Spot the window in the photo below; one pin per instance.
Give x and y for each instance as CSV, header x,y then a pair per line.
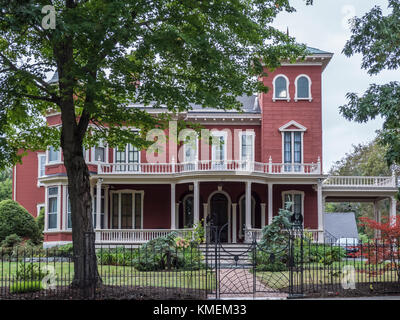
x,y
292,150
295,200
69,220
94,206
246,146
99,154
52,211
190,152
303,88
188,211
281,88
128,155
218,150
41,164
127,210
54,154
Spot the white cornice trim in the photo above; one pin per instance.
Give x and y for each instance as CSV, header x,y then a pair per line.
x,y
293,123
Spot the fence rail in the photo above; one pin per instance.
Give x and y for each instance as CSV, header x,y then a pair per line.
x,y
347,181
209,165
185,269
135,236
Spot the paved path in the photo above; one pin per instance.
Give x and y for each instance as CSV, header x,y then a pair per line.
x,y
239,283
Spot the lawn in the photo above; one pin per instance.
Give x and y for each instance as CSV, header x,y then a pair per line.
x,y
318,274
119,275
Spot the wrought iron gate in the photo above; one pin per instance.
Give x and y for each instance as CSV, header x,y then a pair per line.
x,y
253,269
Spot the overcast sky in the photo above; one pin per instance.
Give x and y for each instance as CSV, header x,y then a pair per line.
x,y
324,26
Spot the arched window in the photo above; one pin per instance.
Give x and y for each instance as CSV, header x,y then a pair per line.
x,y
303,88
281,88
188,211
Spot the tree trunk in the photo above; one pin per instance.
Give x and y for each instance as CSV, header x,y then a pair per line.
x,y
86,275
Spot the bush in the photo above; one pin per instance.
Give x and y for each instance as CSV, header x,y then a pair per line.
x,y
11,241
116,257
30,271
26,286
168,252
14,219
66,250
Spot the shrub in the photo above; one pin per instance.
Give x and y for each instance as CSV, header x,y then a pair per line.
x,y
164,254
30,271
26,286
14,219
65,250
116,256
11,241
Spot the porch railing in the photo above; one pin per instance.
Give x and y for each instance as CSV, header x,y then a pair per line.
x,y
131,236
372,182
210,165
314,234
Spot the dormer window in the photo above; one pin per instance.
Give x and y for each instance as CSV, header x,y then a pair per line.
x,y
281,88
303,88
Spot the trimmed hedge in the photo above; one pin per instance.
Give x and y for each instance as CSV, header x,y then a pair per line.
x,y
14,219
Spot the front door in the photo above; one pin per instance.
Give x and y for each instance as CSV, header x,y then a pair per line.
x,y
219,214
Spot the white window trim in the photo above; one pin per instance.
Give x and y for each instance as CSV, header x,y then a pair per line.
x,y
253,135
296,98
285,128
183,206
92,151
58,161
293,192
132,192
38,207
274,97
126,156
218,134
65,205
196,151
40,155
58,208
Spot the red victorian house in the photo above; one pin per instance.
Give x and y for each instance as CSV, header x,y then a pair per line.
x,y
260,158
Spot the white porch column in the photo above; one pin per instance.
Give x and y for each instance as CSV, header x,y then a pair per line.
x,y
196,202
270,203
173,207
377,216
263,215
320,211
205,214
248,211
234,219
393,203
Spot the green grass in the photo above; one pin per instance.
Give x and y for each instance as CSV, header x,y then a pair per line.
x,y
324,275
26,286
120,275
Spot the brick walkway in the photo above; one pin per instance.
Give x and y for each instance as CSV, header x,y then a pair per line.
x,y
235,283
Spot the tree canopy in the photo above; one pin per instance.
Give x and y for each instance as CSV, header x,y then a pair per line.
x,y
377,38
111,54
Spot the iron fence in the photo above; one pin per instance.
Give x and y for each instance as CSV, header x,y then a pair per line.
x,y
176,271
344,268
182,269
